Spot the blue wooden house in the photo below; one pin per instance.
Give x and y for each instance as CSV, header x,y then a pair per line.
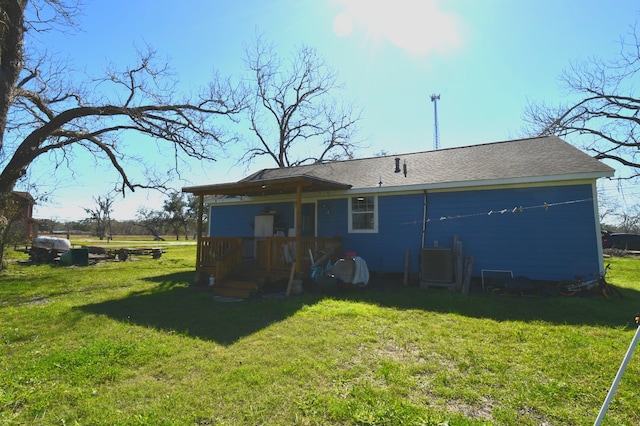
x,y
524,207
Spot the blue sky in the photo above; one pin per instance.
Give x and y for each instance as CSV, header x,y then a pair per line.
x,y
486,59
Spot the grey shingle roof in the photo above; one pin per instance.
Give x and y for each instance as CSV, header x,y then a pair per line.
x,y
523,160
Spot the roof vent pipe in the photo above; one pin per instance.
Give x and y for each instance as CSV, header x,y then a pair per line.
x,y
397,170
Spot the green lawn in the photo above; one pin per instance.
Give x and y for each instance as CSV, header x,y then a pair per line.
x,y
136,343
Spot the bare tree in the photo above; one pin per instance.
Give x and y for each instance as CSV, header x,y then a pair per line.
x,y
605,115
100,215
630,221
44,111
607,205
292,112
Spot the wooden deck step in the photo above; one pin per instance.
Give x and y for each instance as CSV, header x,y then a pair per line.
x,y
237,289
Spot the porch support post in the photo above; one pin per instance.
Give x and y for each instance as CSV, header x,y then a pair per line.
x,y
298,226
199,230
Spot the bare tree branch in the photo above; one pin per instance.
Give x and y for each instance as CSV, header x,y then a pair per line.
x,y
48,107
291,113
52,116
100,215
605,116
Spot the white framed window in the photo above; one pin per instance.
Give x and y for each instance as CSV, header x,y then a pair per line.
x,y
363,214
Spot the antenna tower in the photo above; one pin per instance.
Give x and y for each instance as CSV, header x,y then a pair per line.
x,y
436,133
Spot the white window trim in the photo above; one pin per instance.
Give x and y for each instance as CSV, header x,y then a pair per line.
x,y
375,217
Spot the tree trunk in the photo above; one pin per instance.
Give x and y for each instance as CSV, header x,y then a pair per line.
x,y
11,44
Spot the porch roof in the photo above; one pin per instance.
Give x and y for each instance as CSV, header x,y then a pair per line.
x,y
268,186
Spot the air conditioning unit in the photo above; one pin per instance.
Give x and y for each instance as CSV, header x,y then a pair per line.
x,y
436,267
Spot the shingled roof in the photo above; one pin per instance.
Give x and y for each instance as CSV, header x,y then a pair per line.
x,y
517,161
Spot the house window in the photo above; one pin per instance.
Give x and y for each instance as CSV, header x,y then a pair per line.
x,y
363,214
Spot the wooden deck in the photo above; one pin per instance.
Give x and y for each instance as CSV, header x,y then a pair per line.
x,y
226,259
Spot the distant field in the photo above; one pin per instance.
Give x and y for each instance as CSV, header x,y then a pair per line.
x,y
123,240
86,237
129,239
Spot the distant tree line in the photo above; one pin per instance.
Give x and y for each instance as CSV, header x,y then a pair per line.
x,y
88,227
178,217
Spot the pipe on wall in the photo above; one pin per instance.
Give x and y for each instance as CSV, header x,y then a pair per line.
x,y
424,218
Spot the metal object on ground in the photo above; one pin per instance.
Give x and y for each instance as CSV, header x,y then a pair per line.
x,y
620,373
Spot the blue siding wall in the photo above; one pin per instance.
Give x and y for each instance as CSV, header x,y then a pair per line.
x,y
554,243
400,227
238,220
332,218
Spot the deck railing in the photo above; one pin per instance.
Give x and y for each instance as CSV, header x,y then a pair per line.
x,y
219,256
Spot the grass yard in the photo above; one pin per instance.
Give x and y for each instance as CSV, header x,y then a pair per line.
x,y
136,343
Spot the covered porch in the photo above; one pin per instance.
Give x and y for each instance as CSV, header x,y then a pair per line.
x,y
221,256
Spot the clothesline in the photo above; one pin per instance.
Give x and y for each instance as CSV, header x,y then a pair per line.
x,y
513,210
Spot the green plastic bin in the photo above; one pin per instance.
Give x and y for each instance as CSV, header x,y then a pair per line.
x,y
75,256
